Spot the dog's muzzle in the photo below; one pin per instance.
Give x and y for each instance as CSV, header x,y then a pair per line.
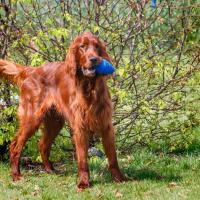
x,y
91,72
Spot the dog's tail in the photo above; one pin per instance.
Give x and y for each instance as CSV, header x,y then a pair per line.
x,y
12,72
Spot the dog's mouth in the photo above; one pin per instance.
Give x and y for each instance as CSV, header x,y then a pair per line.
x,y
89,72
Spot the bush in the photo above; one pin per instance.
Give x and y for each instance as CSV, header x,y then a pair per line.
x,y
155,90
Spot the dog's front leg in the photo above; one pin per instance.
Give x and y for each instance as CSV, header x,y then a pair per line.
x,y
108,139
80,138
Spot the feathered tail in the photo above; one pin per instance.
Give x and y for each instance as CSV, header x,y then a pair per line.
x,y
12,72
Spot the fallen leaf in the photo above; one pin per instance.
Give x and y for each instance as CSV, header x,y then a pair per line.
x,y
172,184
36,190
182,195
99,194
118,194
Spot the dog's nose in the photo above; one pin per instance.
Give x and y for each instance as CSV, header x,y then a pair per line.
x,y
94,60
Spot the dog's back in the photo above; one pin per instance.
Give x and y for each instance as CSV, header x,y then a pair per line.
x,y
16,73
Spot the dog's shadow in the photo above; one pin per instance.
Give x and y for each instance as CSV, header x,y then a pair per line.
x,y
149,174
141,174
103,175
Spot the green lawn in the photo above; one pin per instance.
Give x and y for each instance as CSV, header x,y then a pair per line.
x,y
154,176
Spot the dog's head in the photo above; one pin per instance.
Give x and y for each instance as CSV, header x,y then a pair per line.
x,y
85,52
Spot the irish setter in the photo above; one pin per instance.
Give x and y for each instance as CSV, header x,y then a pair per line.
x,y
65,91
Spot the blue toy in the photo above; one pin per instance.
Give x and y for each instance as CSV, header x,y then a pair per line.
x,y
153,4
104,68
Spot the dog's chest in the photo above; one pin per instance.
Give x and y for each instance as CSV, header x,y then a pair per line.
x,y
91,112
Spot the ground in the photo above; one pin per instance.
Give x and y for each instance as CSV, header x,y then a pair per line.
x,y
153,176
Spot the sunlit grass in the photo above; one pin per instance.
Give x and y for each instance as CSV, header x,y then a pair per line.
x,y
153,176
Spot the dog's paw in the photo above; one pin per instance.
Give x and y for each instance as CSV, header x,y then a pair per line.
x,y
17,177
82,186
83,183
118,176
49,168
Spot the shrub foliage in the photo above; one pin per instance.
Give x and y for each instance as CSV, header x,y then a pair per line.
x,y
155,50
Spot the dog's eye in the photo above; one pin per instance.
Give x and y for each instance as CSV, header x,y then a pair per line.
x,y
82,46
97,46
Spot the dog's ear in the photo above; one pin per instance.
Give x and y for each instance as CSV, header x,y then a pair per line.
x,y
103,52
71,60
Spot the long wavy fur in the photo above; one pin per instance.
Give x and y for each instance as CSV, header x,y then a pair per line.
x,y
12,72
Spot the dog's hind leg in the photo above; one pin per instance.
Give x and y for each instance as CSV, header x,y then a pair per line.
x,y
81,143
53,123
26,130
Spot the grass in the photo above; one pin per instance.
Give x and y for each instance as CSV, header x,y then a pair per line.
x,y
154,176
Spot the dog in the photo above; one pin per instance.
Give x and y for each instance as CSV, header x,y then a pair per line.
x,y
68,91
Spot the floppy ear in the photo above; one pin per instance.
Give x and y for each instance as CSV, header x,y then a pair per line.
x,y
103,52
71,60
